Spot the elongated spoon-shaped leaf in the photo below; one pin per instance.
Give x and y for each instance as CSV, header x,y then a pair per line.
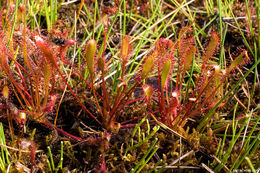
x,y
188,58
89,55
46,50
101,64
241,59
125,48
165,72
147,67
213,44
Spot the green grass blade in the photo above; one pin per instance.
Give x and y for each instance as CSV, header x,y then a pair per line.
x,y
233,141
143,158
46,9
59,167
148,159
14,21
157,164
51,158
241,159
246,146
250,164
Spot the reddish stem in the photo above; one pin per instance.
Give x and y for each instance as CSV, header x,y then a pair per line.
x,y
77,97
87,83
126,98
129,102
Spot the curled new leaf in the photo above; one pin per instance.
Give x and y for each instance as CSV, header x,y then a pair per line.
x,y
165,72
164,46
89,55
148,90
21,118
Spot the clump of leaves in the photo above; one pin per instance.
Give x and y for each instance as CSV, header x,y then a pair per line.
x,y
178,103
110,105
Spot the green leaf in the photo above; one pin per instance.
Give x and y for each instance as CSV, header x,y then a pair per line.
x,y
147,67
165,72
89,55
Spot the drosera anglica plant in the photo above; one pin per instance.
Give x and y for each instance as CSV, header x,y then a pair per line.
x,y
110,107
178,104
159,20
30,75
36,95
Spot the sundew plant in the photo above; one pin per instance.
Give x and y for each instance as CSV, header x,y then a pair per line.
x,y
129,86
